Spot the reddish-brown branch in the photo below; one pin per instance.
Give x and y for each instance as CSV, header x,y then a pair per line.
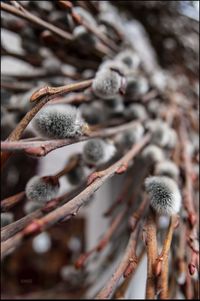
x,y
34,60
42,74
11,201
121,290
42,148
55,91
18,131
16,86
72,207
152,252
91,28
73,162
129,256
188,195
163,260
23,13
129,261
81,261
121,197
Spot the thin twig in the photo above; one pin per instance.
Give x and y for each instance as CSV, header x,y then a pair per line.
x,y
163,259
151,246
11,229
81,261
129,255
16,86
65,36
42,148
188,196
91,28
129,261
122,289
11,201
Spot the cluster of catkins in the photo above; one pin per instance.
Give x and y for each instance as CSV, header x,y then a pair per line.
x,y
117,90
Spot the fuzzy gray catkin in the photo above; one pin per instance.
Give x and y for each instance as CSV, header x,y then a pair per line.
x,y
97,151
130,137
107,83
41,189
167,168
165,197
31,206
152,153
6,218
59,122
135,111
129,58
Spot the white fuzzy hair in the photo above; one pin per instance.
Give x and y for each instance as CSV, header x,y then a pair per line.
x,y
6,218
107,83
129,58
136,111
58,122
31,206
39,190
97,151
167,168
165,197
152,153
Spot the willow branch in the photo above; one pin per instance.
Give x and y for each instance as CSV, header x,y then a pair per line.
x,y
34,60
122,289
42,148
24,14
129,261
16,86
81,261
55,91
11,201
126,186
129,255
163,259
43,74
93,29
71,208
188,196
151,246
18,131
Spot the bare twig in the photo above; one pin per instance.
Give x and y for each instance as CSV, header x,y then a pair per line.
x,y
42,148
121,290
129,261
55,91
121,197
34,60
188,196
65,36
151,245
163,259
129,255
91,28
16,87
11,201
80,262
